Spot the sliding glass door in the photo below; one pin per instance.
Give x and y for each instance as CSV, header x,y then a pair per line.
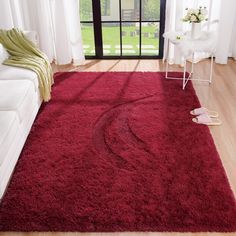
x,y
122,28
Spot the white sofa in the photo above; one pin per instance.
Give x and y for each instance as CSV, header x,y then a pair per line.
x,y
19,105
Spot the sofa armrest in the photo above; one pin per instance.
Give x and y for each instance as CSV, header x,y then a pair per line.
x,y
31,35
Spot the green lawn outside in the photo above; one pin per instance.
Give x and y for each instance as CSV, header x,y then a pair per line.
x,y
111,40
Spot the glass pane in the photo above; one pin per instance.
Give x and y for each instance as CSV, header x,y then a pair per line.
x,y
150,39
150,10
130,39
88,39
111,39
110,10
130,10
86,12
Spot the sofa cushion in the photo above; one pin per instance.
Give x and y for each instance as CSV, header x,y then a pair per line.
x,y
16,95
3,54
16,73
9,126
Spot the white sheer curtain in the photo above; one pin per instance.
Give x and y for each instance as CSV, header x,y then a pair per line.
x,y
224,11
56,22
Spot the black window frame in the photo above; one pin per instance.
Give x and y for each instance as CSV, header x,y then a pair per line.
x,y
97,27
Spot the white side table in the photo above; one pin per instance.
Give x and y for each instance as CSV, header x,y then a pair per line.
x,y
188,47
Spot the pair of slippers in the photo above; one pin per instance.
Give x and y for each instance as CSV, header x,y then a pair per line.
x,y
205,116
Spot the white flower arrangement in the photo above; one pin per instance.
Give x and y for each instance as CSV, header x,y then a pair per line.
x,y
196,15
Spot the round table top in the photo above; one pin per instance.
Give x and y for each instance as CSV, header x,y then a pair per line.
x,y
206,42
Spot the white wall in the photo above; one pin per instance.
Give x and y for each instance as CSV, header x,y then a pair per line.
x,y
233,42
226,31
114,11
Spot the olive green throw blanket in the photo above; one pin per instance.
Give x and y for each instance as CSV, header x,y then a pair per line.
x,y
25,54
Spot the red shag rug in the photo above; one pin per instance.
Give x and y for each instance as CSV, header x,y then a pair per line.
x,y
118,152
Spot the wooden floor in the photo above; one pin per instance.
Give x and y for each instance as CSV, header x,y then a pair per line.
x,y
220,96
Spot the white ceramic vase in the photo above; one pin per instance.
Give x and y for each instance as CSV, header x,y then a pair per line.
x,y
196,31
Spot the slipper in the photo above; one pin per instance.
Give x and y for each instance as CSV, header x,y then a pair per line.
x,y
205,119
203,110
